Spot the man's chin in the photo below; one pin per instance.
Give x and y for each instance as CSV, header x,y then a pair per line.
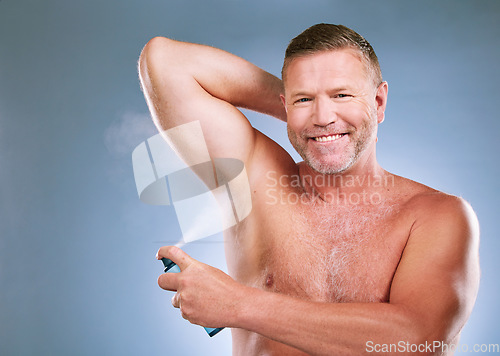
x,y
319,164
327,167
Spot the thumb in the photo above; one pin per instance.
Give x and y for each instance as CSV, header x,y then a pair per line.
x,y
179,257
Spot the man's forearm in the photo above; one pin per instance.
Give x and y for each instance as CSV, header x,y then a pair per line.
x,y
318,328
221,74
326,328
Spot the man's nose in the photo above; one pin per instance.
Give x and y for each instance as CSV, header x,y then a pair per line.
x,y
324,112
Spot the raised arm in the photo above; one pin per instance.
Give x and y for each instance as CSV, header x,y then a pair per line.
x,y
186,82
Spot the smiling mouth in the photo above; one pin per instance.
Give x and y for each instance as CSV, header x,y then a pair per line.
x,y
328,138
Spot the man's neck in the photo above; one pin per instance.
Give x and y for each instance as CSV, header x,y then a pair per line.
x,y
354,185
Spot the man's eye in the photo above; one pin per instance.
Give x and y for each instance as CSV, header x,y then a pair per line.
x,y
343,95
303,100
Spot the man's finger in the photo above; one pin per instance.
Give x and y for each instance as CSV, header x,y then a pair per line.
x,y
169,281
176,300
180,258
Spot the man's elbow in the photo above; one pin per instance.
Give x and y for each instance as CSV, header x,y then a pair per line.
x,y
430,329
426,341
154,58
441,334
156,46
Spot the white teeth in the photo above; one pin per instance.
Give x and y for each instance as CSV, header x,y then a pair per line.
x,y
328,138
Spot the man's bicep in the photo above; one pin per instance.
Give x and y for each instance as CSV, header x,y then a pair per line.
x,y
437,278
226,131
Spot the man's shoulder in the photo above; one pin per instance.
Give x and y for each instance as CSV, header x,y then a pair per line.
x,y
427,203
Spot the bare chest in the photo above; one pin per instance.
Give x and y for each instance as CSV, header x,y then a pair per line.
x,y
317,252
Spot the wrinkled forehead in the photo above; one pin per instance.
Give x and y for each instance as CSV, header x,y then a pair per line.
x,y
344,64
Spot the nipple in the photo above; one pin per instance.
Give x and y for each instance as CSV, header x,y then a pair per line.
x,y
269,280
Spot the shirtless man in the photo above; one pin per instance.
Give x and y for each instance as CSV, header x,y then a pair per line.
x,y
338,255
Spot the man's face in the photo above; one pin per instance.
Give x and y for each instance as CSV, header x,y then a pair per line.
x,y
332,110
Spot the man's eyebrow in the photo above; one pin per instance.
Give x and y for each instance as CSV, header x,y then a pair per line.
x,y
342,87
300,93
332,90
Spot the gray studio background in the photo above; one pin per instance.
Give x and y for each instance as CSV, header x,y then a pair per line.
x,y
77,268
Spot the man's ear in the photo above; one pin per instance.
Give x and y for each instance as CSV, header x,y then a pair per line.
x,y
381,101
283,100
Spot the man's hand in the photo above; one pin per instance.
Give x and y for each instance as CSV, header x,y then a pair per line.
x,y
205,295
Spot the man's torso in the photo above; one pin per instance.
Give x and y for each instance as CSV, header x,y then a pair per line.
x,y
344,250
